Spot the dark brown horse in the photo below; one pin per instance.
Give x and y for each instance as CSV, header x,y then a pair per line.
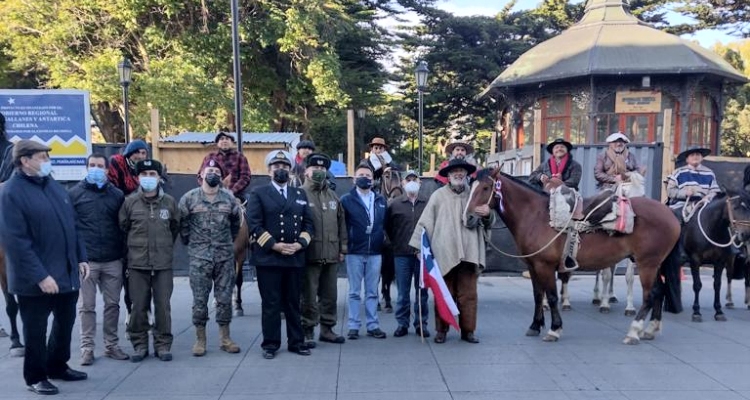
x,y
241,246
525,211
390,188
710,237
11,308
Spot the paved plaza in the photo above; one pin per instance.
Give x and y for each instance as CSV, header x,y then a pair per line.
x,y
709,360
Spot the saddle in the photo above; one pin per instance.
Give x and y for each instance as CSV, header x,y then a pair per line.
x,y
606,211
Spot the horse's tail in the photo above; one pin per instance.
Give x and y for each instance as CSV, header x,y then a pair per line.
x,y
670,270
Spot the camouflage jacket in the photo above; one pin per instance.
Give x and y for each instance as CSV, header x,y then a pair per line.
x,y
208,227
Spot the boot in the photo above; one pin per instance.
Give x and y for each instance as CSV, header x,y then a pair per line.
x,y
199,348
226,342
327,335
571,251
310,337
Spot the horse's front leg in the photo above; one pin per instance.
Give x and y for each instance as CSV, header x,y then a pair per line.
x,y
238,280
730,302
697,285
11,308
629,277
718,313
537,322
564,291
555,330
606,275
657,297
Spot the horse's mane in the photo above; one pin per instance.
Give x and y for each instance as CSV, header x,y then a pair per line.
x,y
527,184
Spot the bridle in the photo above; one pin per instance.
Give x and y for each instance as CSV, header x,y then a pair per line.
x,y
734,224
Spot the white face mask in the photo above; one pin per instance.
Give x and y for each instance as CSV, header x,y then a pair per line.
x,y
411,187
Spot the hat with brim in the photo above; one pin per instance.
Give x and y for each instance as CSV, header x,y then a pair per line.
x,y
455,164
378,141
449,148
617,136
411,173
559,141
27,148
695,149
224,135
278,156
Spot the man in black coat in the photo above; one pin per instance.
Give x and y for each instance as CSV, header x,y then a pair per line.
x,y
280,222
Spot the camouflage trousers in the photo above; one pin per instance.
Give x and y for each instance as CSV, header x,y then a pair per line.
x,y
204,275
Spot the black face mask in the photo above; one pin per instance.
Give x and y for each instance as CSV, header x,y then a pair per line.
x,y
213,180
281,176
363,182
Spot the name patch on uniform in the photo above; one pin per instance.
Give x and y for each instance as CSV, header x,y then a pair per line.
x,y
164,213
332,205
304,203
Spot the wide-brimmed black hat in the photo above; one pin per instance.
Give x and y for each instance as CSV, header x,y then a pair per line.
x,y
317,159
306,144
559,141
226,135
694,149
457,163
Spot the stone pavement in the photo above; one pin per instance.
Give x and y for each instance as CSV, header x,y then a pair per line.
x,y
687,361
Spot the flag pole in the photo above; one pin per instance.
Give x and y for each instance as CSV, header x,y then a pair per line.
x,y
419,299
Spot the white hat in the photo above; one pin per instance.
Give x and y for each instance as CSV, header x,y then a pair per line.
x,y
278,156
617,136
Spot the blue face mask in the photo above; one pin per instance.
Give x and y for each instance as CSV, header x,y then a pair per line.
x,y
97,176
148,183
45,168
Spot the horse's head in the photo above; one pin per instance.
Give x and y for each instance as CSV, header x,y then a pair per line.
x,y
738,212
484,191
391,183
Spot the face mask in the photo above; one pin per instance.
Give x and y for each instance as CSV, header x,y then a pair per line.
x,y
411,187
318,176
281,176
45,169
96,176
363,182
213,180
148,183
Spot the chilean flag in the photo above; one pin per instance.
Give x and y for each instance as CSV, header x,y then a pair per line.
x,y
431,277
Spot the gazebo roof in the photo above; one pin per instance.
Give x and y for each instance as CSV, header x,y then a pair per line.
x,y
609,40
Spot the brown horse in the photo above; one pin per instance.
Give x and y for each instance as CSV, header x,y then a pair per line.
x,y
11,308
525,211
241,245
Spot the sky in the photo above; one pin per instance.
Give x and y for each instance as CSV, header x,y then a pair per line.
x,y
706,38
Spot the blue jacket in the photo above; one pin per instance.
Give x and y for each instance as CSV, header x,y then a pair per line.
x,y
357,220
38,234
96,220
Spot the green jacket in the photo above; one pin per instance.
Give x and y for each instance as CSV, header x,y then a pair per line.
x,y
151,226
330,235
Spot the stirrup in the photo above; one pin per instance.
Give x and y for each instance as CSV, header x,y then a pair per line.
x,y
564,265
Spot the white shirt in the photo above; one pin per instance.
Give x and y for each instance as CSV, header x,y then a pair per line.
x,y
369,200
279,188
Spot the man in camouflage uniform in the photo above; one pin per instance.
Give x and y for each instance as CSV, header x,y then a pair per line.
x,y
210,221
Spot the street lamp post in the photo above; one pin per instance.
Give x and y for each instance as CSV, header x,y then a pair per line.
x,y
421,74
237,75
125,70
361,113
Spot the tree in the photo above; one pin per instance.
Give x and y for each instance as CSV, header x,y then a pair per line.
x,y
732,16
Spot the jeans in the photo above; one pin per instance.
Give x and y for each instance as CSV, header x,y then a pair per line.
x,y
108,277
407,267
365,267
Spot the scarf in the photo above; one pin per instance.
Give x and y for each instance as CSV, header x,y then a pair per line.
x,y
557,169
619,162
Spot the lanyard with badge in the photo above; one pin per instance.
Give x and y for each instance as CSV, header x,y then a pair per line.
x,y
370,214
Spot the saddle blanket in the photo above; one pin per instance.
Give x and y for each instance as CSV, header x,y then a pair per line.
x,y
620,219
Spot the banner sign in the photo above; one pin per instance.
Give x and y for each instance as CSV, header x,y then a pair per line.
x,y
637,102
60,119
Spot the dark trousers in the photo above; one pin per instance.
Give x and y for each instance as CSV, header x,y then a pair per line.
x,y
280,290
319,293
44,358
146,285
462,284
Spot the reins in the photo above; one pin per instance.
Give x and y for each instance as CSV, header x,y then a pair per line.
x,y
733,235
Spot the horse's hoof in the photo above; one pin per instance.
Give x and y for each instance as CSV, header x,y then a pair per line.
x,y
550,338
630,313
697,318
239,312
631,340
613,299
730,306
647,336
604,310
3,333
17,352
720,317
545,307
596,302
567,307
532,332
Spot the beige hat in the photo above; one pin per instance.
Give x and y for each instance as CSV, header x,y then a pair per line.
x,y
459,143
379,141
27,148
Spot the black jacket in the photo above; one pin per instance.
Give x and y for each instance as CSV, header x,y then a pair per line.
x,y
97,221
272,219
400,220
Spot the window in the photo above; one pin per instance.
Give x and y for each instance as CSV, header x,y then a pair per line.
x,y
565,116
701,122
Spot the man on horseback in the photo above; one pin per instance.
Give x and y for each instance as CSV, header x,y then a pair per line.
x,y
326,251
304,149
457,149
616,163
561,171
46,262
210,219
233,163
458,247
691,183
378,161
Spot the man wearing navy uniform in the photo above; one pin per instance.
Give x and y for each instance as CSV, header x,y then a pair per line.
x,y
281,223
